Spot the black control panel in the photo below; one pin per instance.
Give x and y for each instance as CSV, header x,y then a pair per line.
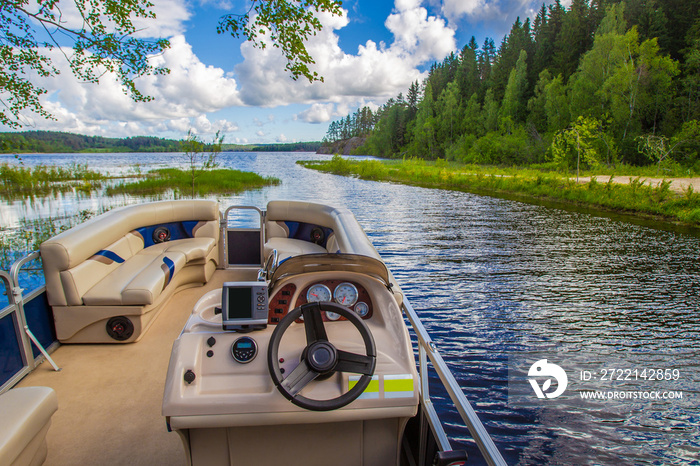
x,y
244,350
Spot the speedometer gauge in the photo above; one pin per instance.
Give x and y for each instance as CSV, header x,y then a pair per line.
x,y
317,293
345,294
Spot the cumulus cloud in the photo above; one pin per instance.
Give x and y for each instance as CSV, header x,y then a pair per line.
x,y
202,125
180,98
170,16
502,10
318,113
376,71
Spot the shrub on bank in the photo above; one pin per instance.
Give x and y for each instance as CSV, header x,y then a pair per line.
x,y
224,181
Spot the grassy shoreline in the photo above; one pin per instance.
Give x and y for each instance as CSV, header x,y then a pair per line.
x,y
218,181
637,198
17,180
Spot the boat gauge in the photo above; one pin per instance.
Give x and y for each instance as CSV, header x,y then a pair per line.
x,y
362,309
332,315
345,294
318,293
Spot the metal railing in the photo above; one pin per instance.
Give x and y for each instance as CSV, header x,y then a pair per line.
x,y
25,337
428,350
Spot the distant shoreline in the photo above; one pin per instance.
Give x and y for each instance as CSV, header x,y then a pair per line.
x,y
53,142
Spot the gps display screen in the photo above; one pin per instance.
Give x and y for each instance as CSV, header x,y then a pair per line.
x,y
240,303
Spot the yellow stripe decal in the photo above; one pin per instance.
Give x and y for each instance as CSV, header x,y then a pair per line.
x,y
401,385
372,390
372,387
398,386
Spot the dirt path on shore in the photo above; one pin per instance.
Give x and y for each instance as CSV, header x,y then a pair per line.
x,y
678,185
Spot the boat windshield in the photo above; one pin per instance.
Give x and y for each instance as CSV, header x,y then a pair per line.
x,y
309,263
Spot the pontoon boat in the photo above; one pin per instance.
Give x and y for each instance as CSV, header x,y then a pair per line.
x,y
294,348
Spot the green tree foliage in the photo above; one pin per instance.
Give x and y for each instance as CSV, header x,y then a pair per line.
x,y
286,25
101,38
52,141
687,142
688,99
102,41
657,148
514,99
200,156
424,129
448,115
574,38
555,90
357,124
575,147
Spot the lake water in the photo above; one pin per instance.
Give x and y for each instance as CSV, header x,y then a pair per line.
x,y
494,278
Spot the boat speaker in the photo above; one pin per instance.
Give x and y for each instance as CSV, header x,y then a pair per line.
x,y
120,328
161,235
317,235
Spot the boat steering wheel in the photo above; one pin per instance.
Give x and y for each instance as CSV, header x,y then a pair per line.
x,y
320,357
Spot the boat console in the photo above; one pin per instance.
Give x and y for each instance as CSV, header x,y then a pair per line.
x,y
309,362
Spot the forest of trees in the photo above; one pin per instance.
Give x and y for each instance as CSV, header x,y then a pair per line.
x,y
53,141
605,82
28,142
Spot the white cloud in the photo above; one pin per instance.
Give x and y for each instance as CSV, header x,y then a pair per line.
x,y
281,138
170,18
501,10
180,98
374,72
220,4
260,133
418,35
318,113
202,125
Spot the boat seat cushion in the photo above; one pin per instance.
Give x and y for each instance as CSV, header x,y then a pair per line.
x,y
288,247
138,281
26,416
78,280
194,249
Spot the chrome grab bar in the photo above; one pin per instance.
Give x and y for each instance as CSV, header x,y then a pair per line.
x,y
427,349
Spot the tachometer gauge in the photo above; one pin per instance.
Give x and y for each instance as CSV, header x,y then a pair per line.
x,y
317,293
345,294
362,309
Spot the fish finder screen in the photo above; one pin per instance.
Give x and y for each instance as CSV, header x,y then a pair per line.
x,y
240,303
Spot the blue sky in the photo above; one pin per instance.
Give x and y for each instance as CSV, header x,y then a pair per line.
x,y
217,83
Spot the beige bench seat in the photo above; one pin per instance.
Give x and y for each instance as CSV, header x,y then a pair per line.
x,y
288,247
139,280
26,417
194,249
347,236
111,267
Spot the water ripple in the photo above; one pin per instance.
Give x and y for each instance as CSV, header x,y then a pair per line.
x,y
492,276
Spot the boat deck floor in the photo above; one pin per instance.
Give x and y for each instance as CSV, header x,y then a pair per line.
x,y
110,396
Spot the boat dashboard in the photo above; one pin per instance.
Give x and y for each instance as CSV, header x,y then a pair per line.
x,y
350,294
233,377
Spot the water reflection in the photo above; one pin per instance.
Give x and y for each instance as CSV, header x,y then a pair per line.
x,y
491,276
